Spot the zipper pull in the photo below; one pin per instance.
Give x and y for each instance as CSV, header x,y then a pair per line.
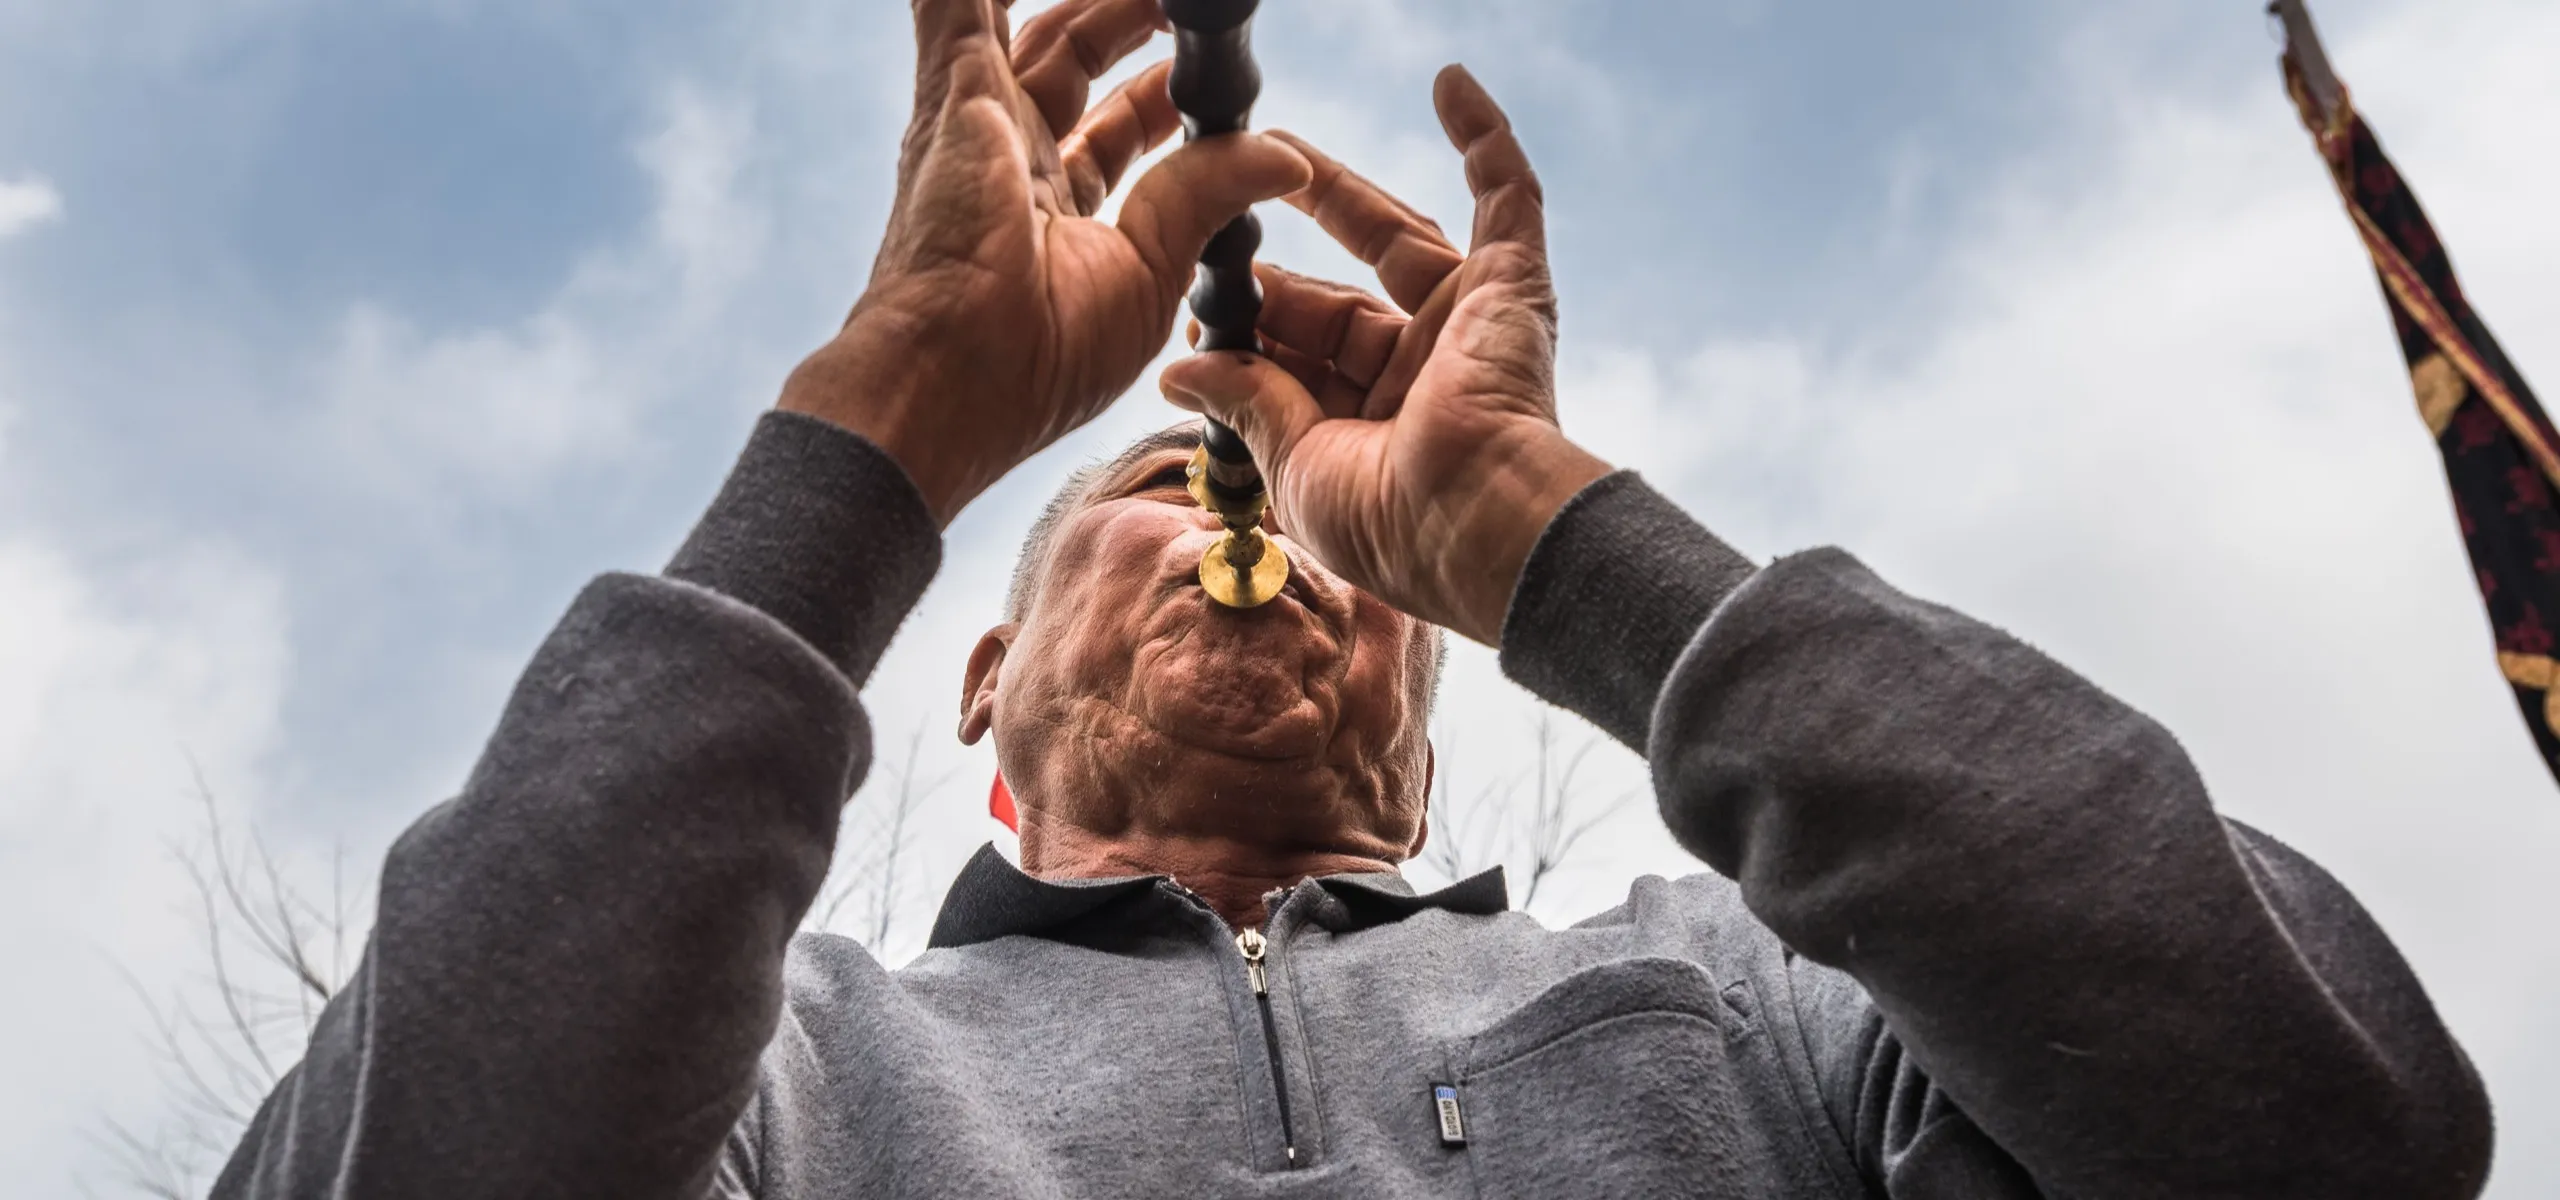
x,y
1251,944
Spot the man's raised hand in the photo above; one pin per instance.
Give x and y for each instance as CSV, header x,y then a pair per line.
x,y
1000,314
1417,455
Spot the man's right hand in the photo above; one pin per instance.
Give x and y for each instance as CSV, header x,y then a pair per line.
x,y
1419,457
1000,315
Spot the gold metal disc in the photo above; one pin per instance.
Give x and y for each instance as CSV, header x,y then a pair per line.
x,y
1250,587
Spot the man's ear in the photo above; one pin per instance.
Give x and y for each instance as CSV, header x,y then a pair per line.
x,y
978,686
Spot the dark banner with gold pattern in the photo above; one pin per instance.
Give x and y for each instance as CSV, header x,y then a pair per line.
x,y
2501,455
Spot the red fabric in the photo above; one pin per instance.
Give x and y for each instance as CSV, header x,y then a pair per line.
x,y
1000,805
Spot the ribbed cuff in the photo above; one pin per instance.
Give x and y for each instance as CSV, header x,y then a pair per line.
x,y
824,532
1616,588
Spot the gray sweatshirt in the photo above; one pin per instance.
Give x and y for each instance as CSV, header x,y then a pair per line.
x,y
1974,931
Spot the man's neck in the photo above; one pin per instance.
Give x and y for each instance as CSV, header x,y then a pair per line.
x,y
1235,879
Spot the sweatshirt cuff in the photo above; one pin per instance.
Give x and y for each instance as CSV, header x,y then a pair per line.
x,y
822,531
1614,591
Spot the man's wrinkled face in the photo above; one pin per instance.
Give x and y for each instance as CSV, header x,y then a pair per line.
x,y
1311,708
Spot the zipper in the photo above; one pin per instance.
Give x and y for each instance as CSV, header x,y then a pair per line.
x,y
1254,946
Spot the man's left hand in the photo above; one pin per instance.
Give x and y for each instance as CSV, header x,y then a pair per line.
x,y
1418,456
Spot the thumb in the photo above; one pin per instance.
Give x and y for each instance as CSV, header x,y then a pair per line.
x,y
1186,199
1265,405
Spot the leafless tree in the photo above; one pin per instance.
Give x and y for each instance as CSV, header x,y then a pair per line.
x,y
1457,846
868,892
1540,830
274,953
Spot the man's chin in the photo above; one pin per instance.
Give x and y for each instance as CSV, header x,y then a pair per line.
x,y
1256,710
1255,689
1253,733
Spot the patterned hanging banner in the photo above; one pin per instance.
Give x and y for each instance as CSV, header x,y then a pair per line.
x,y
2501,455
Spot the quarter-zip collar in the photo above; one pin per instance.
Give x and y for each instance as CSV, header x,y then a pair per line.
x,y
993,898
1364,901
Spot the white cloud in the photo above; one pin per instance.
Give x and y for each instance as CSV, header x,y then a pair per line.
x,y
713,236
126,678
1532,42
495,411
2155,422
25,204
120,687
2152,422
491,408
120,680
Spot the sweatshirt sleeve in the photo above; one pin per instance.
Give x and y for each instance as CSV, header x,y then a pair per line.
x,y
577,962
2036,960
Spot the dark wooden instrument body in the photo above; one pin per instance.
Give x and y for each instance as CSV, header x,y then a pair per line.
x,y
1215,84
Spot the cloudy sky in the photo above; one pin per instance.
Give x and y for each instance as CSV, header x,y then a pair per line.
x,y
340,343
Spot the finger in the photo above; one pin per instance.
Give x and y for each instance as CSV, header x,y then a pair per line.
x,y
1062,51
1179,203
1413,351
1510,203
1337,395
1408,250
1254,396
948,32
1311,373
1334,323
1315,153
957,44
944,24
1135,118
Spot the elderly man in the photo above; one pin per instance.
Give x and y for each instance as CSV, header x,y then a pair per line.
x,y
1975,929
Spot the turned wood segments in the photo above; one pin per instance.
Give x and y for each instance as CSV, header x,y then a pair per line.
x,y
1215,82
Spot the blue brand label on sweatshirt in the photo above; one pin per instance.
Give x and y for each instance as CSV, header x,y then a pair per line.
x,y
1453,1127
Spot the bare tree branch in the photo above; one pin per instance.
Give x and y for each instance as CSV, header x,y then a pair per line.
x,y
885,904
146,1166
266,980
866,895
1445,850
1540,829
1549,795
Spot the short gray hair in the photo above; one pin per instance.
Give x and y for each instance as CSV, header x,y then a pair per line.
x,y
1077,491
1072,495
